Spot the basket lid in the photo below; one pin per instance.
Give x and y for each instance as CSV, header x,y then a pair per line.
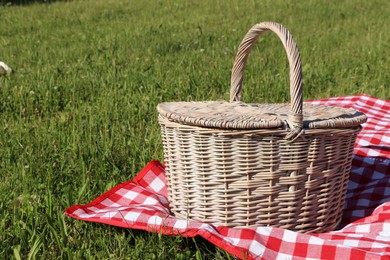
x,y
239,115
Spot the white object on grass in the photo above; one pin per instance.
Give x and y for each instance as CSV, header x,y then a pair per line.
x,y
4,69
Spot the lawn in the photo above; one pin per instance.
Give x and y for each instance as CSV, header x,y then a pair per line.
x,y
78,115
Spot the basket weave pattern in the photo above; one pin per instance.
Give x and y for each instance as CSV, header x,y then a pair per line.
x,y
289,173
255,179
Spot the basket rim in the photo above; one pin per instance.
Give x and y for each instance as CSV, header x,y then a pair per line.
x,y
239,115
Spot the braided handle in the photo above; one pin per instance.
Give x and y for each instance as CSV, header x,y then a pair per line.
x,y
295,118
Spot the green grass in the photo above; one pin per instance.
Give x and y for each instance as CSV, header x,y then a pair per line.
x,y
79,116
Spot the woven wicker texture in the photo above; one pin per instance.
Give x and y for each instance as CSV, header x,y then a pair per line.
x,y
239,115
250,164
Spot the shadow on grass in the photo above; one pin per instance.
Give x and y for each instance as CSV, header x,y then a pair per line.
x,y
28,2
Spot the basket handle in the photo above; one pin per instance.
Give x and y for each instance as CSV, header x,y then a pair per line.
x,y
295,117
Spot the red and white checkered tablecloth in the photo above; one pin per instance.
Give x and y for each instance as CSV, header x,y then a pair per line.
x,y
142,203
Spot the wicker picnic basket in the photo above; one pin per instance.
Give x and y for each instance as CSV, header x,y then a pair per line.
x,y
239,165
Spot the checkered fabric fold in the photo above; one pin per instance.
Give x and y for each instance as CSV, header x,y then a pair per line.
x,y
142,203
